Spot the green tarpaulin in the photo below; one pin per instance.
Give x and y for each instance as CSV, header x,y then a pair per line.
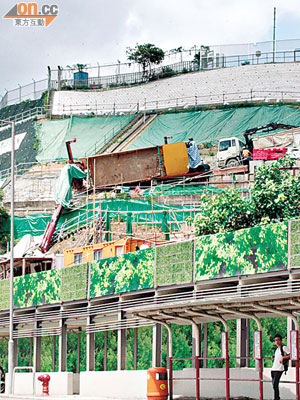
x,y
209,126
36,224
91,134
63,187
178,190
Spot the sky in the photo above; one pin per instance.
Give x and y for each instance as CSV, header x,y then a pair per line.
x,y
91,31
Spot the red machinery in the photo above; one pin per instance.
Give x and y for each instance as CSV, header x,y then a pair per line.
x,y
78,184
269,154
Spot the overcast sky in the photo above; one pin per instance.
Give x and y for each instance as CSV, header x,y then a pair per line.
x,y
87,31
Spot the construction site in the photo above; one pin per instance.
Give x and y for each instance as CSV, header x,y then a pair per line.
x,y
156,225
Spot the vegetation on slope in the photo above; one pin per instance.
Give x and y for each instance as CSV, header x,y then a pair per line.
x,y
275,196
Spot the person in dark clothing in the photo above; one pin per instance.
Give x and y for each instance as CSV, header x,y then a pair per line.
x,y
282,353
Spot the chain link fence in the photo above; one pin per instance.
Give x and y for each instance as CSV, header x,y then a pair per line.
x,y
176,61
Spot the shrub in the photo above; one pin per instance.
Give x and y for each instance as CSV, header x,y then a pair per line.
x,y
275,196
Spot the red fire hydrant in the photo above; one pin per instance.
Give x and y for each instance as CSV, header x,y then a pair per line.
x,y
45,381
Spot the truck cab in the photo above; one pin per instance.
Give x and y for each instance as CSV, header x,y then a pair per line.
x,y
229,152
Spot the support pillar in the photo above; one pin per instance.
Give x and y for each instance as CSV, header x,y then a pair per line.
x,y
24,266
290,327
37,349
205,344
62,352
78,352
135,348
242,342
15,352
156,345
121,362
196,335
90,348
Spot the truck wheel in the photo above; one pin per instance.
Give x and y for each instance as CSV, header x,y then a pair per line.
x,y
232,162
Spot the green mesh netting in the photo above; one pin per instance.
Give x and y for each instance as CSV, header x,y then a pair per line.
x,y
63,187
209,126
36,224
91,134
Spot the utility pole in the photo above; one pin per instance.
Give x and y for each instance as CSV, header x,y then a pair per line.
x,y
11,275
274,35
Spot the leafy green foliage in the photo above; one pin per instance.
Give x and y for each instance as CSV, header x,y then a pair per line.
x,y
4,354
247,251
145,55
74,282
276,193
131,271
72,351
37,289
4,294
182,346
174,263
4,223
275,197
24,345
295,244
227,211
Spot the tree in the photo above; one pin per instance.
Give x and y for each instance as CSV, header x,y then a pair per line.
x,y
146,55
275,197
4,224
203,57
79,67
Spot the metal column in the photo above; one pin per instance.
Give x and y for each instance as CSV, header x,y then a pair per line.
x,y
37,350
121,362
156,345
62,353
90,348
242,342
78,352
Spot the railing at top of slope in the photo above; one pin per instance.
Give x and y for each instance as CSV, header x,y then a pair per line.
x,y
35,89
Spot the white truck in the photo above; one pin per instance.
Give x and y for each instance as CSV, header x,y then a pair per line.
x,y
230,149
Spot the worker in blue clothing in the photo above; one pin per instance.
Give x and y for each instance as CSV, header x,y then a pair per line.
x,y
195,162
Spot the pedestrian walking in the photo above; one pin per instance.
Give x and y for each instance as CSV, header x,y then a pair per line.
x,y
280,364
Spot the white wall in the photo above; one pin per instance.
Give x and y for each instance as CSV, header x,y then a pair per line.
x,y
216,389
60,383
133,384
263,79
114,384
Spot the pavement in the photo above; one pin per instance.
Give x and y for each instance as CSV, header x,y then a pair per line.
x,y
78,397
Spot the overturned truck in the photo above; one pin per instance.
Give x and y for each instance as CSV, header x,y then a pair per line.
x,y
140,165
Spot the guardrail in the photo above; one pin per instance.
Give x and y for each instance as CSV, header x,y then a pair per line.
x,y
177,103
208,61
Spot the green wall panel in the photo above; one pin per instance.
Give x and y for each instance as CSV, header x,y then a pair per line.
x,y
246,251
174,263
131,271
295,244
74,282
37,289
4,294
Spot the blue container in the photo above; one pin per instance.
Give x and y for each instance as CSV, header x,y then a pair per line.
x,y
81,79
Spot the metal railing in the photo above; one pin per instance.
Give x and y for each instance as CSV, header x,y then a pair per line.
x,y
177,103
208,61
227,379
